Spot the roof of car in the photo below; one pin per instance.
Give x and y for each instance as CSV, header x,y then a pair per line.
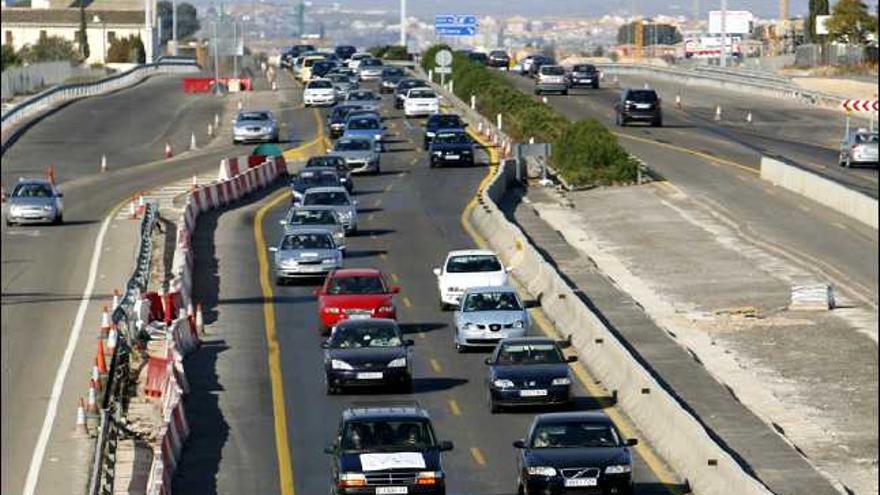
x,y
370,322
490,288
367,410
304,229
319,170
356,272
471,252
326,189
565,417
354,137
34,180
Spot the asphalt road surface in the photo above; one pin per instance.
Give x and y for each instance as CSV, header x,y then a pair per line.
x,y
409,218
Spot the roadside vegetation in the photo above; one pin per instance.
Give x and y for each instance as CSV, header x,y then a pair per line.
x,y
585,153
390,52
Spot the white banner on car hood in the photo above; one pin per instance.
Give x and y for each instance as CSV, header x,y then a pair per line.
x,y
396,460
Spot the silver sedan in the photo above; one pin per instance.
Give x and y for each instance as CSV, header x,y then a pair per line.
x,y
318,217
858,147
306,252
34,201
488,314
254,126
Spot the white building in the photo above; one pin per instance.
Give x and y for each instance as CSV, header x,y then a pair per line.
x,y
106,20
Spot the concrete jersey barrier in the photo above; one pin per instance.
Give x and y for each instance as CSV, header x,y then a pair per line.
x,y
817,188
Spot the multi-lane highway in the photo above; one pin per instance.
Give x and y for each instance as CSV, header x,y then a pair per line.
x,y
409,218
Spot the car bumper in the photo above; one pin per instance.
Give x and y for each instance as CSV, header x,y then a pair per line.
x,y
390,377
641,115
438,489
363,167
551,87
584,81
512,397
420,111
487,338
607,485
305,271
250,138
32,217
319,100
455,159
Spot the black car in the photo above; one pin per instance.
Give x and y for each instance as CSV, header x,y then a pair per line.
x,y
387,448
390,77
441,121
367,353
584,75
336,162
479,58
538,61
344,52
313,177
322,67
575,452
640,105
405,85
528,371
336,119
499,59
451,147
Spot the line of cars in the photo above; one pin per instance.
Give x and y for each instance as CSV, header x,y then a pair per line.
x,y
391,447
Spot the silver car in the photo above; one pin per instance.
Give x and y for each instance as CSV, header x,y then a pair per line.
x,y
254,125
339,200
859,147
365,98
317,217
342,84
305,252
488,314
359,152
370,69
34,201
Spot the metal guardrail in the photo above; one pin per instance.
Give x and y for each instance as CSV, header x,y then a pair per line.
x,y
115,393
65,92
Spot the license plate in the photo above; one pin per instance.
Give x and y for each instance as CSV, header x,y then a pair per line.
x,y
580,482
532,393
371,375
358,317
452,157
388,490
643,106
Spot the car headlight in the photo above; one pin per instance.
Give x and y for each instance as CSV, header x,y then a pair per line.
x,y
430,134
347,480
438,153
338,364
385,308
542,471
377,137
562,381
328,261
288,262
429,477
519,324
397,363
332,311
502,383
339,235
618,469
48,208
14,209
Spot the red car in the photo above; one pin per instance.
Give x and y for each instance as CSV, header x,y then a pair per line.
x,y
354,293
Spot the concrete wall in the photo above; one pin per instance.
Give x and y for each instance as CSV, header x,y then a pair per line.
x,y
831,194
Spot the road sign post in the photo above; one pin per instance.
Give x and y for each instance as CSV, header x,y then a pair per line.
x,y
443,59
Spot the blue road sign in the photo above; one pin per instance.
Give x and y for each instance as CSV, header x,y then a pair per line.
x,y
447,20
455,30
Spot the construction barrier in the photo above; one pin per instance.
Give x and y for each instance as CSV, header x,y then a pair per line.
x,y
204,84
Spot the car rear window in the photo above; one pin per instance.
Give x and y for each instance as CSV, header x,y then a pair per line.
x,y
253,116
326,198
356,285
312,217
473,263
422,93
352,145
580,434
452,137
356,336
362,124
866,139
307,241
584,68
325,161
32,191
491,301
552,71
387,436
642,96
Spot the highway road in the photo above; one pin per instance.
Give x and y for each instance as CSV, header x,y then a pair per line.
x,y
409,218
45,269
718,171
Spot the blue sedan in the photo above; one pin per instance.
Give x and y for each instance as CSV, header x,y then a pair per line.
x,y
365,125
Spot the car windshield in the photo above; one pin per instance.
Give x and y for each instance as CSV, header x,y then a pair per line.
x,y
491,301
366,284
864,138
444,121
323,179
32,191
392,72
326,198
307,241
325,161
498,53
642,96
371,62
584,68
387,435
320,84
361,95
473,263
362,123
253,116
453,137
421,93
553,71
513,354
312,217
352,145
575,434
356,337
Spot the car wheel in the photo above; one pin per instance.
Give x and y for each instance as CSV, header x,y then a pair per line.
x,y
406,386
565,92
323,329
520,489
493,406
280,281
8,222
537,92
59,219
330,390
444,306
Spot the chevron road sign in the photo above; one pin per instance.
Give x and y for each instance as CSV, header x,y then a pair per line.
x,y
861,105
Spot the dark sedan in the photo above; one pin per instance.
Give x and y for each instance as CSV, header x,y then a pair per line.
x,y
403,87
584,75
312,177
638,105
578,452
528,371
390,77
453,147
336,119
441,121
367,353
337,162
499,59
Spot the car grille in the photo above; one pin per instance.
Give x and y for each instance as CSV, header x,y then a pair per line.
x,y
495,327
483,341
357,311
580,472
391,478
309,262
532,383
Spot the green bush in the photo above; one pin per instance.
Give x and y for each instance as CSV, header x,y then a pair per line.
x,y
390,52
8,57
585,153
126,50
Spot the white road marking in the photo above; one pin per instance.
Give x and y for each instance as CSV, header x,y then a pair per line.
x,y
33,474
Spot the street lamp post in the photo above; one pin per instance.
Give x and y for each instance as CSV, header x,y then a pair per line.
x,y
97,19
174,25
723,61
403,23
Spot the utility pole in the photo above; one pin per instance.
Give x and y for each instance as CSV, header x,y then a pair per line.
x,y
174,25
235,49
403,23
216,60
723,33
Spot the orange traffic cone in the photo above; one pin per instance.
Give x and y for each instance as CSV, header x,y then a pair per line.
x,y
168,152
93,398
141,205
81,418
105,321
132,210
50,174
96,376
112,338
99,358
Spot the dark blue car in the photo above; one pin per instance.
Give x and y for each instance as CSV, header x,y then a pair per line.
x,y
441,121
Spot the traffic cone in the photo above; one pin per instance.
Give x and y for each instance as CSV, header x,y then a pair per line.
x,y
194,183
192,141
105,321
141,204
81,426
717,113
103,163
749,117
112,337
216,121
92,403
100,362
677,101
116,297
50,174
274,86
210,130
168,152
238,105
132,210
200,322
96,376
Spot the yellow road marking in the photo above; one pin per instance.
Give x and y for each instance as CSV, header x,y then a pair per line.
x,y
407,302
681,149
383,256
370,217
378,202
435,365
653,462
395,278
389,186
453,407
478,456
282,448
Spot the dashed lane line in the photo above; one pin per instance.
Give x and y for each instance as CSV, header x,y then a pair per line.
x,y
435,365
453,407
478,456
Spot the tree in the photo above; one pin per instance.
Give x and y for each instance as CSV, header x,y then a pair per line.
x,y
84,51
817,7
9,57
850,22
127,50
49,49
187,20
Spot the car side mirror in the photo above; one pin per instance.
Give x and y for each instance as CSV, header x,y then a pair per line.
x,y
437,271
330,449
488,361
571,359
632,442
325,345
394,289
508,269
446,446
519,444
273,249
409,342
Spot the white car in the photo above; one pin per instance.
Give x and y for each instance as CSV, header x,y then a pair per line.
x,y
465,269
421,102
319,92
355,61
